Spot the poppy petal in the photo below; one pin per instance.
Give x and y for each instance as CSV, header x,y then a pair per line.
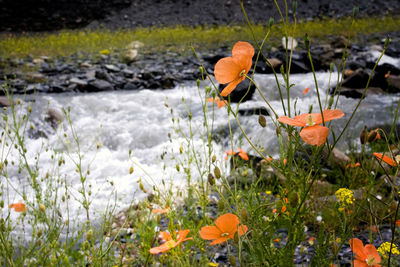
x,y
371,250
243,49
166,236
210,232
359,263
242,229
330,114
220,240
290,121
226,70
385,158
182,235
227,223
314,135
231,86
357,247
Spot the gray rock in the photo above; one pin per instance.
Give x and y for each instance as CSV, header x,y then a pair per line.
x,y
100,85
112,68
78,82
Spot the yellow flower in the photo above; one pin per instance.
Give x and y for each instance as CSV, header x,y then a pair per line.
x,y
384,249
345,196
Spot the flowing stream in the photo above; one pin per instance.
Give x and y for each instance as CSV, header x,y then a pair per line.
x,y
110,124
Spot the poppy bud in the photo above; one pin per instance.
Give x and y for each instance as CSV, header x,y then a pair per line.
x,y
221,205
214,158
217,172
232,259
131,170
198,82
177,167
307,42
213,94
294,6
355,12
331,67
142,187
262,121
42,207
330,102
30,109
210,179
180,149
201,70
244,214
387,40
372,136
1,203
363,136
89,234
271,22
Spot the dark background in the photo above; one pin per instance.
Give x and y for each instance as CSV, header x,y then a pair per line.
x,y
40,15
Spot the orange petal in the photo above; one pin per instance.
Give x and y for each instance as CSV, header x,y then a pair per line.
x,y
385,158
314,135
226,70
166,236
221,103
243,49
242,229
18,207
290,121
330,114
227,223
231,86
220,240
243,154
357,247
305,91
371,250
182,235
164,247
359,263
230,152
210,232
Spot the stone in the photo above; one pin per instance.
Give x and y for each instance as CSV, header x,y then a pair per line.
x,y
128,73
240,91
54,117
78,82
112,68
131,55
394,83
253,111
4,101
35,78
100,85
358,79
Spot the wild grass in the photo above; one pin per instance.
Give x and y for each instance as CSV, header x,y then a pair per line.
x,y
178,39
291,205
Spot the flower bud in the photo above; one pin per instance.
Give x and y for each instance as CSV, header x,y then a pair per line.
x,y
131,170
180,149
217,172
387,40
232,260
198,82
244,214
210,179
214,158
262,121
307,42
294,6
89,234
271,22
332,65
42,207
355,12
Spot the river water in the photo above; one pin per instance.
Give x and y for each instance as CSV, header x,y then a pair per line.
x,y
110,124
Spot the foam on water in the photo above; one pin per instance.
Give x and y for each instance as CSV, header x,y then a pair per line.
x,y
139,121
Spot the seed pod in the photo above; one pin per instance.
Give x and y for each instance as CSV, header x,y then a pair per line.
x,y
244,214
210,179
89,234
214,158
262,121
177,167
180,149
221,205
217,172
372,136
42,207
131,170
142,187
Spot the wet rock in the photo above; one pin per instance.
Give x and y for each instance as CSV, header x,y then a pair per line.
x,y
100,85
357,93
340,42
393,83
79,82
167,82
241,91
128,73
358,79
100,74
54,117
253,111
35,78
4,101
336,158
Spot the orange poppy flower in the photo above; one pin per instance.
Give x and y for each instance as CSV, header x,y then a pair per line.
x,y
313,133
169,242
366,256
305,91
161,211
18,207
353,165
233,70
226,227
385,158
241,154
387,74
220,103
